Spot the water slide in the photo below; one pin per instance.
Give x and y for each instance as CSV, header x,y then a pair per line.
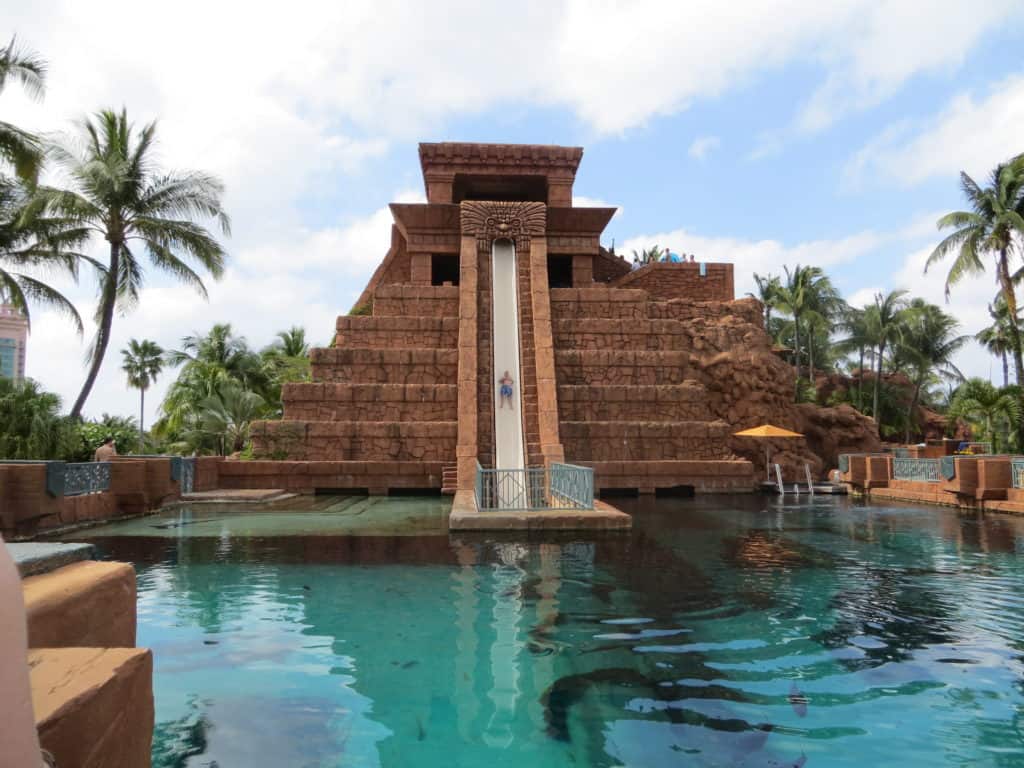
x,y
508,422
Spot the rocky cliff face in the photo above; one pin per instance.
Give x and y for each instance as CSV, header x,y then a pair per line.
x,y
750,386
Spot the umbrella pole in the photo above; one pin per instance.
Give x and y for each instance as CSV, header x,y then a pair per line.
x,y
767,465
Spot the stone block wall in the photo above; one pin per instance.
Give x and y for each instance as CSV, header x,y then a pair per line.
x,y
385,366
27,508
330,401
682,281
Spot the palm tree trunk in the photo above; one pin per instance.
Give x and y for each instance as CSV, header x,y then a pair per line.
x,y
142,416
1006,370
1006,282
913,408
878,380
108,300
796,356
860,383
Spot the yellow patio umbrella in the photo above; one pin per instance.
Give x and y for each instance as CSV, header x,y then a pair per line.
x,y
763,432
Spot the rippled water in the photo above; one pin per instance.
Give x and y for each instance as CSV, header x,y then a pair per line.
x,y
720,632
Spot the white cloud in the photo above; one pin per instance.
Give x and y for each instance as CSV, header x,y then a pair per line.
x,y
888,42
285,102
702,145
972,134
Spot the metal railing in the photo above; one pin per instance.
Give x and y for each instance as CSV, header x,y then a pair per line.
x,y
917,470
1017,472
86,477
535,489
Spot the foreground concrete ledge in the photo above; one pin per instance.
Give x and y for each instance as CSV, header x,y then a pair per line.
x,y
603,517
94,706
83,604
36,557
246,495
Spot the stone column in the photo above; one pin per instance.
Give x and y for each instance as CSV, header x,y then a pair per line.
x,y
582,270
547,389
419,268
466,450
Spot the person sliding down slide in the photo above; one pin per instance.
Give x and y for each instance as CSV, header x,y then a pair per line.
x,y
506,390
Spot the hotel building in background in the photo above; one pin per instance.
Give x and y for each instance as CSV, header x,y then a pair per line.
x,y
13,340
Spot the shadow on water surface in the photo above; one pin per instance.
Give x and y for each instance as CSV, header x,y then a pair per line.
x,y
681,642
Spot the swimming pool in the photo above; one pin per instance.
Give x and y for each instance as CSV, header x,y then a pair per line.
x,y
729,631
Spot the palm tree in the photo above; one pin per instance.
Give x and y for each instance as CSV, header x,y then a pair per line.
x,y
884,322
31,244
996,337
989,228
143,362
291,343
228,414
807,294
928,343
19,148
27,242
768,288
991,411
208,362
117,191
647,255
855,323
32,425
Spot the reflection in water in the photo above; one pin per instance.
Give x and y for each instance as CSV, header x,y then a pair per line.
x,y
719,632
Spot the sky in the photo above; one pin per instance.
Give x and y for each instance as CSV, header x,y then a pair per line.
x,y
765,134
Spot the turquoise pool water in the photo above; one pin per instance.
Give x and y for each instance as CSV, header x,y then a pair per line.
x,y
720,632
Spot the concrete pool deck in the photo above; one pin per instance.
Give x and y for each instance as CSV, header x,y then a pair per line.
x,y
603,517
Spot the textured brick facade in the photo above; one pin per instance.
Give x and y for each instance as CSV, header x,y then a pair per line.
x,y
643,374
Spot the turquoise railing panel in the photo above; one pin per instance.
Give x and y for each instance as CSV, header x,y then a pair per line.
x,y
947,467
917,470
535,489
86,477
1017,470
572,485
844,463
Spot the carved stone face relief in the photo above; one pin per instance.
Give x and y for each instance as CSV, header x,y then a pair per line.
x,y
516,221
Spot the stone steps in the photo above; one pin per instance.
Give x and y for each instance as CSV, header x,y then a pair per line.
x,y
384,366
687,401
330,401
623,367
696,335
397,300
406,332
355,440
599,302
311,476
645,440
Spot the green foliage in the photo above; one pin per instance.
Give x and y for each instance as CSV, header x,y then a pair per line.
x,y
32,427
362,310
91,435
993,413
224,385
117,190
649,255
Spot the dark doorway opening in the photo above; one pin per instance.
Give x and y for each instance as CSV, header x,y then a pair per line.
x,y
675,492
414,491
619,493
507,188
444,268
560,271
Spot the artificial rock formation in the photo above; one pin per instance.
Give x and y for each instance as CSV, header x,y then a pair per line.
x,y
642,374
